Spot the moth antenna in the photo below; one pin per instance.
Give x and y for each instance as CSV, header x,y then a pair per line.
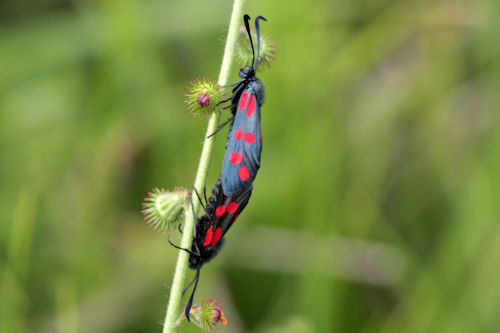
x,y
257,29
247,26
190,302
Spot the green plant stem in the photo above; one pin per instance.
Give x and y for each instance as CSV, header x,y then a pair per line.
x,y
173,308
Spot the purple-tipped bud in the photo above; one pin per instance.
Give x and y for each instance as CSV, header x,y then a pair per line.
x,y
207,316
203,99
203,96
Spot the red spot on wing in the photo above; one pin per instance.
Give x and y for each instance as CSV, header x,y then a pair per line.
x,y
217,236
208,237
238,134
220,210
234,220
244,173
235,158
243,100
249,137
251,106
232,207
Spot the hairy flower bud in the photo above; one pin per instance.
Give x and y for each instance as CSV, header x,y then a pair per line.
x,y
163,210
207,315
202,96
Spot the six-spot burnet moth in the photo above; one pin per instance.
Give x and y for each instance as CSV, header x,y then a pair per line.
x,y
244,142
232,191
221,211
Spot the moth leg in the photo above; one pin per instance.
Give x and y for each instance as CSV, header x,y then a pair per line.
x,y
235,92
195,222
224,101
221,126
205,194
181,248
233,84
201,202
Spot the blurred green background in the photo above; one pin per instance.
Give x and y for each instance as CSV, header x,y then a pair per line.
x,y
376,208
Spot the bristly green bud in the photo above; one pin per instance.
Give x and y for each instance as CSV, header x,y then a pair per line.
x,y
207,315
164,210
202,96
244,50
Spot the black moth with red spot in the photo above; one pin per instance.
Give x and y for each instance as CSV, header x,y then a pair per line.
x,y
221,212
244,142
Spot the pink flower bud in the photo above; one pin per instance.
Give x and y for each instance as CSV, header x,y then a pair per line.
x,y
207,315
203,99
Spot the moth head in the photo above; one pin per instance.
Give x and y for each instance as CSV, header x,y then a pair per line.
x,y
247,72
